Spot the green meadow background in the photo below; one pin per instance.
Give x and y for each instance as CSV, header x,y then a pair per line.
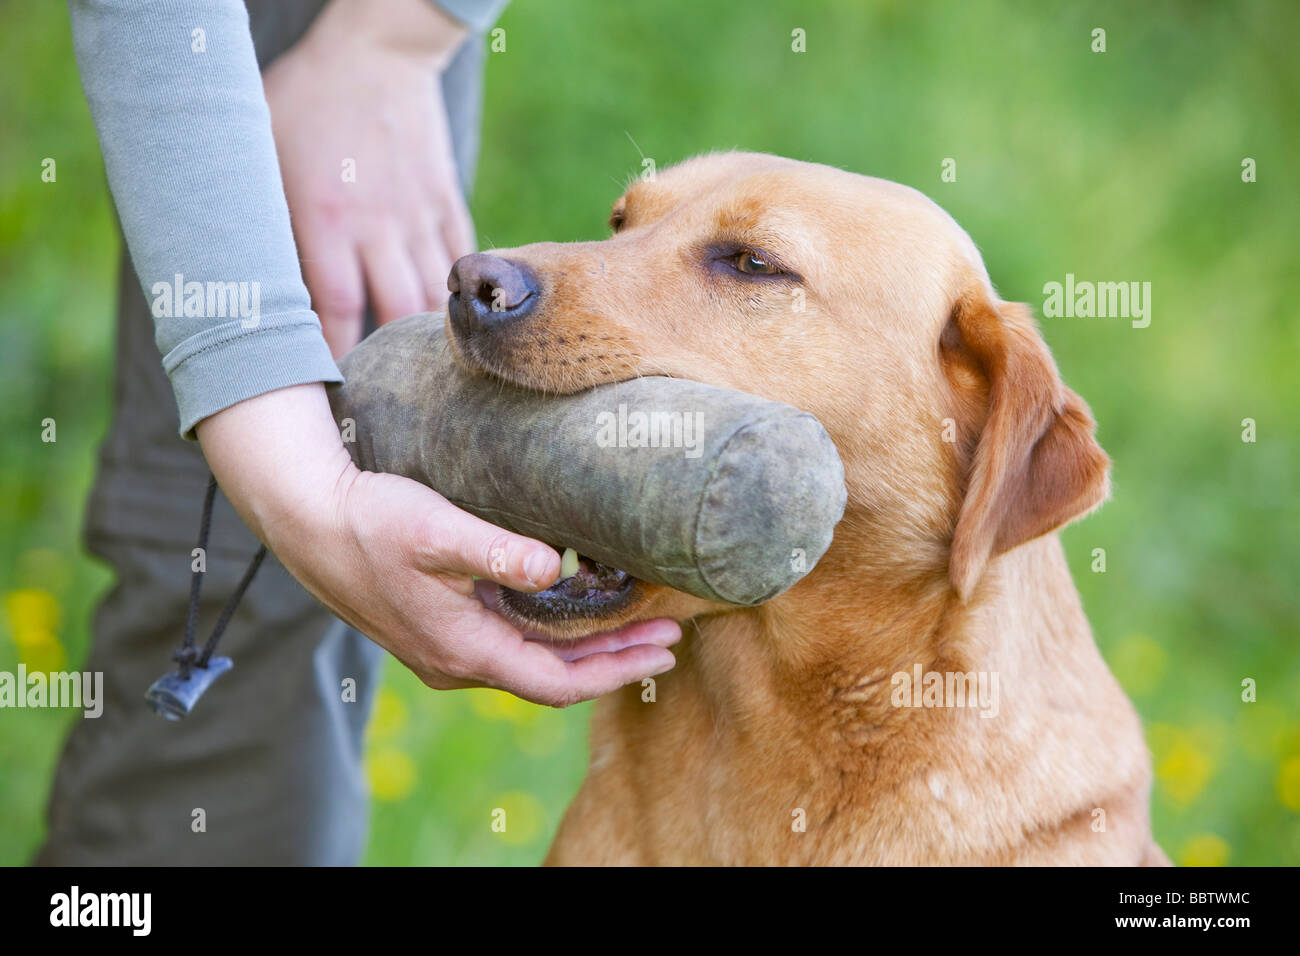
x,y
1117,166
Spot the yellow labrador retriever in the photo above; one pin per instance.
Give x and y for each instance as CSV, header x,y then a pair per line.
x,y
930,693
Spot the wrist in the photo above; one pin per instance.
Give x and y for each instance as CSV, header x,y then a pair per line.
x,y
415,30
279,460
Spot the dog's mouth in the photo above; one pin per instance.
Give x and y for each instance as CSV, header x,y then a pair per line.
x,y
592,592
595,591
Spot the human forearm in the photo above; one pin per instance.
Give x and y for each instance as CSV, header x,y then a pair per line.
x,y
418,29
394,559
277,457
176,97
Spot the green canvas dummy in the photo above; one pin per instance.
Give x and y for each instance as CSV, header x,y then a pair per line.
x,y
721,494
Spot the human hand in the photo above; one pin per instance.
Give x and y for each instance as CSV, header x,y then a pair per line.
x,y
366,157
395,559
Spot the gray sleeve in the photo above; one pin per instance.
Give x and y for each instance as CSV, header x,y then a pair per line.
x,y
176,97
477,15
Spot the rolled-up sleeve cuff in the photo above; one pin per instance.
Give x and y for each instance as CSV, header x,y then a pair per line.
x,y
229,363
477,15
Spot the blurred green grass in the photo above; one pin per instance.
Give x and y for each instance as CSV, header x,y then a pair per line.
x,y
1123,165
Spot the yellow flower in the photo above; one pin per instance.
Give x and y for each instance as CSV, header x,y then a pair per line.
x,y
1288,783
31,609
33,617
391,773
41,651
523,817
1182,765
390,714
498,705
1205,849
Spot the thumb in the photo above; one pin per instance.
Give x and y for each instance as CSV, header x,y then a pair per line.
x,y
455,540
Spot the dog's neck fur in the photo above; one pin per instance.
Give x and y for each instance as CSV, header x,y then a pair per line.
x,y
775,737
785,685
903,620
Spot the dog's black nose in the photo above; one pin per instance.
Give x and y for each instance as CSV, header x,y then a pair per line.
x,y
488,291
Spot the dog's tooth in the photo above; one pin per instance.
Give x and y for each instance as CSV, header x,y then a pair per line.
x,y
569,563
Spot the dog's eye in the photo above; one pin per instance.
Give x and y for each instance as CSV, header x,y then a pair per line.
x,y
753,264
616,220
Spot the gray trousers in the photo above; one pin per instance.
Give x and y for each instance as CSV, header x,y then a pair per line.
x,y
267,769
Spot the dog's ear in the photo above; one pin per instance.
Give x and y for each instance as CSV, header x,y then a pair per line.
x,y
1035,465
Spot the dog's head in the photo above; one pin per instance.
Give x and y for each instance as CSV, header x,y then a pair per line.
x,y
855,299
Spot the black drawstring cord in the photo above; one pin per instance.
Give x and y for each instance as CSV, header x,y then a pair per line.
x,y
173,695
184,655
229,610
